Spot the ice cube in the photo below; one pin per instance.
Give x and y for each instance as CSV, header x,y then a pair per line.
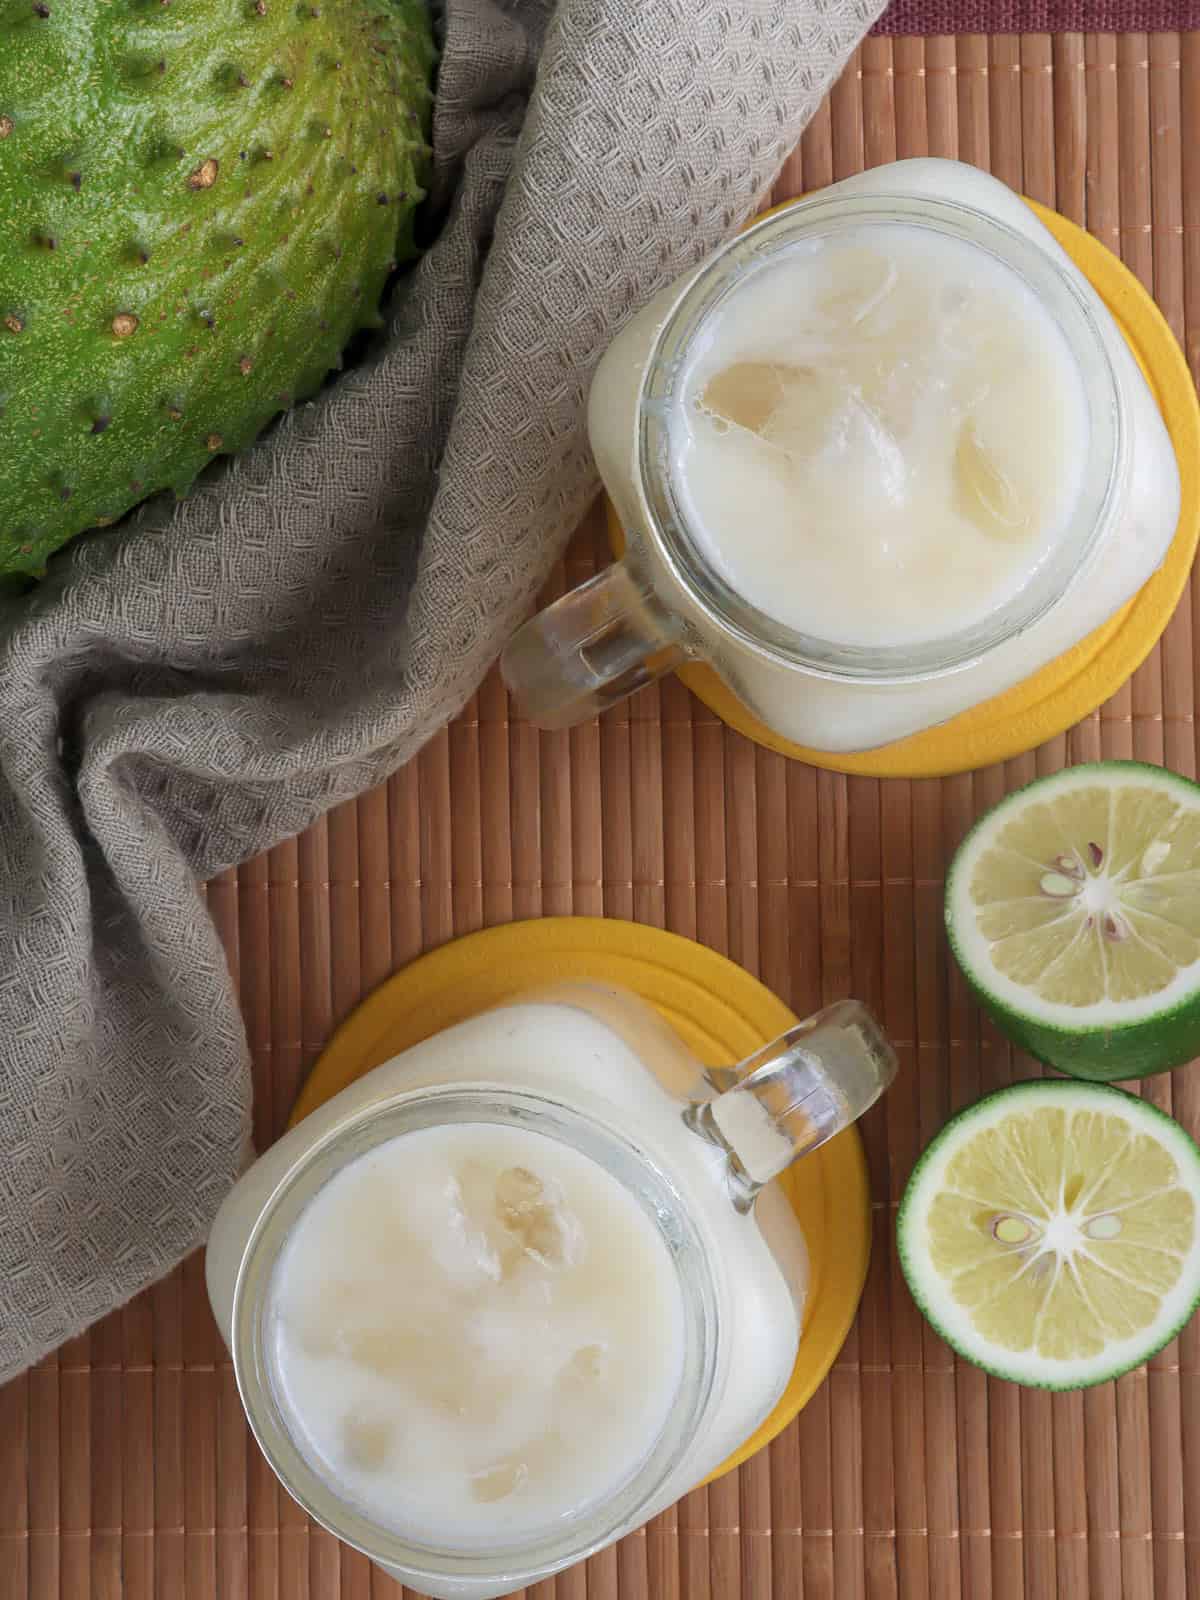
x,y
518,1194
377,1349
867,427
985,491
464,1252
390,1351
796,409
585,1366
538,1218
316,1335
865,279
500,1481
747,394
809,414
436,1371
553,1237
366,1443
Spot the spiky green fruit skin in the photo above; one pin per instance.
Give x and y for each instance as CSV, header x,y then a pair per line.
x,y
200,204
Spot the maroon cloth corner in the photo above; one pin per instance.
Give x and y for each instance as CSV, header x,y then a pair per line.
x,y
1038,16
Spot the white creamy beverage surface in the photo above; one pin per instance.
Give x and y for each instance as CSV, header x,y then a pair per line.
x,y
882,436
477,1331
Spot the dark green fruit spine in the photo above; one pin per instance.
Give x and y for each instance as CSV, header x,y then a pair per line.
x,y
200,204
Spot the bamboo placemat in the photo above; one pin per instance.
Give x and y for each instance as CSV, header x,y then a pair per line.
x,y
126,1469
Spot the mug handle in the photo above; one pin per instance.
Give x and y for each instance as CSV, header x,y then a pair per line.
x,y
793,1094
592,648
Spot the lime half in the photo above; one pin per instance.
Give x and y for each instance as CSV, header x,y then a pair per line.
x,y
1073,909
1051,1233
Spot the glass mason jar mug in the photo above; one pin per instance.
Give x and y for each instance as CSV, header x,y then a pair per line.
x,y
666,603
686,1279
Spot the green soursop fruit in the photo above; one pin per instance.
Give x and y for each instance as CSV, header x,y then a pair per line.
x,y
200,203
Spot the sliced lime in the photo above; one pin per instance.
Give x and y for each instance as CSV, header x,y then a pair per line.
x,y
1051,1233
1073,908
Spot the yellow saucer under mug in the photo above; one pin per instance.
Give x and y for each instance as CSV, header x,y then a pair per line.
x,y
1070,688
721,1013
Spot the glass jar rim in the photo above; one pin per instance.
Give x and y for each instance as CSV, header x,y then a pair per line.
x,y
1108,442
574,1538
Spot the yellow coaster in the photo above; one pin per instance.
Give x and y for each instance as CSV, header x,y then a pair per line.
x,y
721,1013
1073,686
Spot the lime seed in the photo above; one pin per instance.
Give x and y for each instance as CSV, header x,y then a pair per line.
x,y
1105,1226
1008,1229
1058,886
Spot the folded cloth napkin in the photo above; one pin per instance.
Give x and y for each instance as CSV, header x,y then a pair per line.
x,y
183,692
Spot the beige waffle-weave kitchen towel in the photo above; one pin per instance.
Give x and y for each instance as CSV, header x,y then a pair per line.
x,y
183,692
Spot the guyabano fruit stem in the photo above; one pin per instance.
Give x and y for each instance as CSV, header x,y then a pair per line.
x,y
200,203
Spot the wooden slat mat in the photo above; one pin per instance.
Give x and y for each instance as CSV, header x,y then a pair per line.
x,y
125,1465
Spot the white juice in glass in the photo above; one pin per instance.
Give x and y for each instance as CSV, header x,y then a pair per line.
x,y
517,1290
881,458
886,435
456,1310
